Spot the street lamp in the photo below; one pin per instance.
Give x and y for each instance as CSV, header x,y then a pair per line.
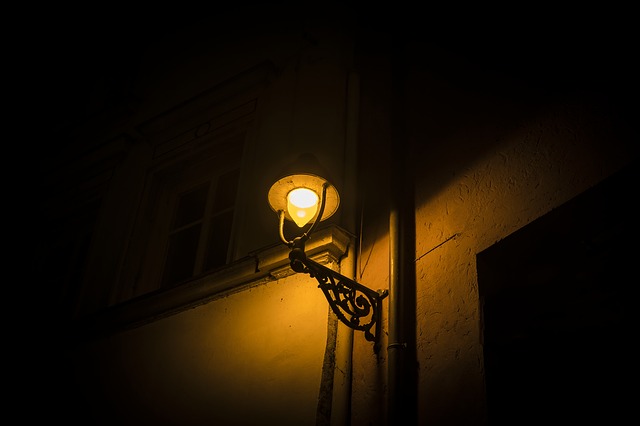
x,y
306,197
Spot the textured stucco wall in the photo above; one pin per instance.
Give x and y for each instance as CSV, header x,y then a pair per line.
x,y
481,175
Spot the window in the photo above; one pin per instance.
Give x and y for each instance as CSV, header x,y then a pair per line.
x,y
200,231
184,221
185,227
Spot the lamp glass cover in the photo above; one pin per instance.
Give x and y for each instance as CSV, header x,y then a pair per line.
x,y
302,205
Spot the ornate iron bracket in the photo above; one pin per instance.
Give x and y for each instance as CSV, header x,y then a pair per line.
x,y
356,305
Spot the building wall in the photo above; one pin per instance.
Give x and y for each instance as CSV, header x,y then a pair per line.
x,y
486,152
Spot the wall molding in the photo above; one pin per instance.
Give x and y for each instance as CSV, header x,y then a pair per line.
x,y
327,246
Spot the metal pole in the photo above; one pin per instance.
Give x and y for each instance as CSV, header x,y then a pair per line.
x,y
402,406
395,345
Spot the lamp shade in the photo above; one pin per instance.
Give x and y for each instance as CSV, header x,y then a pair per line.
x,y
301,207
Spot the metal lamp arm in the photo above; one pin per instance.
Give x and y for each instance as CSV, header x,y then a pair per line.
x,y
281,228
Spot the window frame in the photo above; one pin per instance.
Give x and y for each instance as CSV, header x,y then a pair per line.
x,y
167,181
189,183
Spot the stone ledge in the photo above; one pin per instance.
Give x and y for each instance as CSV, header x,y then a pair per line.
x,y
326,245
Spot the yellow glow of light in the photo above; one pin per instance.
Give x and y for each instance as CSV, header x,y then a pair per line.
x,y
302,204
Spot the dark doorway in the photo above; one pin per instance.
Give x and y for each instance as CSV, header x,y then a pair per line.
x,y
559,345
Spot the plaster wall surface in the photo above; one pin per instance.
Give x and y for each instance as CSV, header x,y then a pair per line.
x,y
253,357
486,157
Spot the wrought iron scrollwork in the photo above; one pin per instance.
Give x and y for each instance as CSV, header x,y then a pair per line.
x,y
356,305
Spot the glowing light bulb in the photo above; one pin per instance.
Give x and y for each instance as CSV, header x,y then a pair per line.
x,y
302,204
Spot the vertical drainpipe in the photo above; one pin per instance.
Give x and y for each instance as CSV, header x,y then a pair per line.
x,y
341,404
395,346
401,349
